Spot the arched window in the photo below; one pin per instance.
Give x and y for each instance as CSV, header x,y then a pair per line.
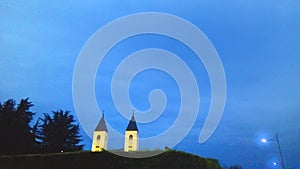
x,y
130,141
98,137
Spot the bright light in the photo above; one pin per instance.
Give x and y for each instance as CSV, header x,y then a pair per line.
x,y
264,140
274,163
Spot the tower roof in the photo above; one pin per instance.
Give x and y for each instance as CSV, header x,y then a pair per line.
x,y
101,125
132,125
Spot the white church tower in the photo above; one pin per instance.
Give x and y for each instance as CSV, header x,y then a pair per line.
x,y
131,142
100,136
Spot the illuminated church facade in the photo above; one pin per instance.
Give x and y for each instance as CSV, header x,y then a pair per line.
x,y
100,136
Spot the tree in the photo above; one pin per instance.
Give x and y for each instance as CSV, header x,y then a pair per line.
x,y
235,167
59,133
16,133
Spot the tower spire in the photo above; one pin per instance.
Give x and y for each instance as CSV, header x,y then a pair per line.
x,y
132,124
101,125
131,142
100,136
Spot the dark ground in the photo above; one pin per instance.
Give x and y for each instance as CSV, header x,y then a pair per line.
x,y
106,160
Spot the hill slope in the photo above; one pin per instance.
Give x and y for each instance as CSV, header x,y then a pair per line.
x,y
87,160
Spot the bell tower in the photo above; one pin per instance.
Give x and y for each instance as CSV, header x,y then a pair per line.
x,y
131,142
100,136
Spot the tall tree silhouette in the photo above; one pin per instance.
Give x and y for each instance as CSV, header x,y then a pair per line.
x,y
59,133
16,133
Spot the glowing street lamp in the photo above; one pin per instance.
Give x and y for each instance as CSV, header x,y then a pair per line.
x,y
264,140
279,149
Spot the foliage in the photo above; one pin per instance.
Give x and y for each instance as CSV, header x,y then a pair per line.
x,y
16,133
235,167
212,164
59,133
19,137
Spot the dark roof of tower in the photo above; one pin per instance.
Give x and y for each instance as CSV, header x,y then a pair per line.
x,y
101,125
132,125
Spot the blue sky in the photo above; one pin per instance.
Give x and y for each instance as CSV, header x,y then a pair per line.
x,y
258,43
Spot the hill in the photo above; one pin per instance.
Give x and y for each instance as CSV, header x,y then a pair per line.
x,y
106,160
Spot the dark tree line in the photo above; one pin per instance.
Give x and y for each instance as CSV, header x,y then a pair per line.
x,y
58,133
52,133
233,167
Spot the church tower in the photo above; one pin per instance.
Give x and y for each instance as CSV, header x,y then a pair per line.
x,y
131,136
100,136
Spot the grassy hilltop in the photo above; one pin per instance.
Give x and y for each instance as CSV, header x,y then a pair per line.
x,y
106,160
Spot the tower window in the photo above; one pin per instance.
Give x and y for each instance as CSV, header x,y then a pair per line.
x,y
98,137
130,141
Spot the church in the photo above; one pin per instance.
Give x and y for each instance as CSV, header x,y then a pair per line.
x,y
100,137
